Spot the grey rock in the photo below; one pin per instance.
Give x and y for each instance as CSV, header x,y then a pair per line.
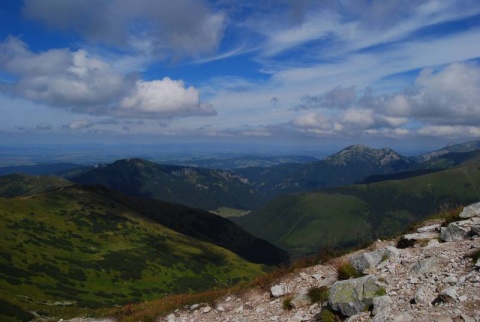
x,y
381,303
423,296
427,265
471,211
467,318
451,279
448,295
383,316
194,306
354,295
368,260
278,290
300,300
422,236
403,317
430,228
171,318
206,309
455,231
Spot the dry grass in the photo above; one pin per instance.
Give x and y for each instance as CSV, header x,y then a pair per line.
x,y
148,311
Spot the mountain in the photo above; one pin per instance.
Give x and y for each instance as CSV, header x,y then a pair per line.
x,y
23,185
348,166
350,215
241,162
39,169
195,187
462,147
77,248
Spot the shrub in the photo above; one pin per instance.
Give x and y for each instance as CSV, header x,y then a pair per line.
x,y
286,303
381,292
327,315
347,271
319,294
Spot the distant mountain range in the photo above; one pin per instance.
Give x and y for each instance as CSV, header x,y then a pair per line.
x,y
348,166
195,187
350,215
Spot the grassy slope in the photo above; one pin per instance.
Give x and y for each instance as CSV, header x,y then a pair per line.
x,y
352,214
77,248
22,185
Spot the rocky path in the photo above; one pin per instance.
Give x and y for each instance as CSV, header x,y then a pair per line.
x,y
431,280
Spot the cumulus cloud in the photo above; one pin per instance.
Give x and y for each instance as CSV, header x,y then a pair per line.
x,y
445,102
165,98
181,27
43,126
82,83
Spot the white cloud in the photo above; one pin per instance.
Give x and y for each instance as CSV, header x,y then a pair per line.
x,y
78,82
163,27
443,103
164,98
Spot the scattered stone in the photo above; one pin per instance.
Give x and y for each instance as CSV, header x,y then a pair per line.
x,y
422,236
435,227
300,300
381,303
278,290
451,279
422,296
448,295
194,307
206,309
171,318
220,308
433,243
467,318
427,265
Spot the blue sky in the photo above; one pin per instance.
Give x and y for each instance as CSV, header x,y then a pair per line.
x,y
293,72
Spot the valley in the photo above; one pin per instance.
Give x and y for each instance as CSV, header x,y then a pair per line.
x,y
90,237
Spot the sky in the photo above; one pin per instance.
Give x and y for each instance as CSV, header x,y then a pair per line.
x,y
275,72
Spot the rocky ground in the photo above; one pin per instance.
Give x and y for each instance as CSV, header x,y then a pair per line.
x,y
430,275
434,278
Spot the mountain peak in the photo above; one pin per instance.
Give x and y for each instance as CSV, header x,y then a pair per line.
x,y
360,152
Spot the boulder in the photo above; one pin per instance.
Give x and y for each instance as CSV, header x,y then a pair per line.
x,y
364,261
427,265
455,231
354,295
471,211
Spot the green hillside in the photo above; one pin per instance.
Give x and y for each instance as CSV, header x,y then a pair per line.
x,y
195,187
350,215
70,250
23,185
